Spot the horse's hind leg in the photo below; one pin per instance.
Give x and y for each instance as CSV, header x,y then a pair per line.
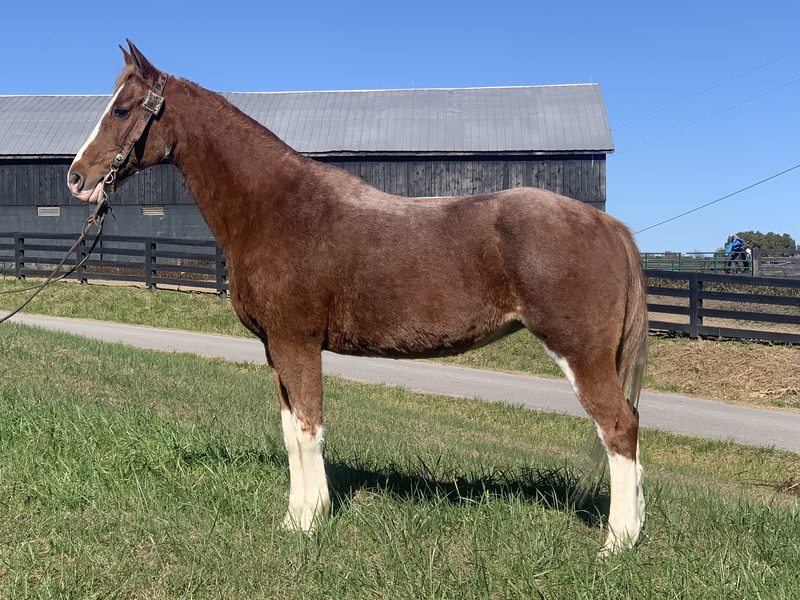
x,y
597,387
626,514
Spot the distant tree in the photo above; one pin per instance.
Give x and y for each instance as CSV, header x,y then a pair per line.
x,y
769,240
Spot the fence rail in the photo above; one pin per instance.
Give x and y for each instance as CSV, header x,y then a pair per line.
x,y
756,261
776,263
152,261
201,264
701,262
751,306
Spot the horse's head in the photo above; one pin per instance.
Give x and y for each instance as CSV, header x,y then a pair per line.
x,y
129,136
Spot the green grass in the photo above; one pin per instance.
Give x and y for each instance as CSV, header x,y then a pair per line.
x,y
175,310
520,352
135,474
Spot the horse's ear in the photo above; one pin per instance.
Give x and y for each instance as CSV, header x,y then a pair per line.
x,y
126,56
146,70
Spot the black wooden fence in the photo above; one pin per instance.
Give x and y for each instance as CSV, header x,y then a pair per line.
x,y
148,260
200,264
743,299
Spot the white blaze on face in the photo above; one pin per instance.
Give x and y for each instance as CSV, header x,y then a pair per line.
x,y
96,130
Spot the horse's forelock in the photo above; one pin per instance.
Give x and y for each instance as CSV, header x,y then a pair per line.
x,y
123,77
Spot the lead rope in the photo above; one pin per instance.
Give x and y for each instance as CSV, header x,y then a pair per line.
x,y
95,220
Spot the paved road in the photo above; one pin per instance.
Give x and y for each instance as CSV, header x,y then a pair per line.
x,y
670,412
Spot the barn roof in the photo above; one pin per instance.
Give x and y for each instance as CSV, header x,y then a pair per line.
x,y
549,119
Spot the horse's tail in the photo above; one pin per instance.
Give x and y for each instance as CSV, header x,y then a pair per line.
x,y
631,358
632,352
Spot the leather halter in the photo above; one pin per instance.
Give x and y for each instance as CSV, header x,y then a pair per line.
x,y
151,107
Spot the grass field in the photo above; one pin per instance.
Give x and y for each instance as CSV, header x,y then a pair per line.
x,y
743,373
134,474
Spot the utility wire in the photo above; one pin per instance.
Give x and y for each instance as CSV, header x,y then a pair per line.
x,y
706,118
655,112
718,199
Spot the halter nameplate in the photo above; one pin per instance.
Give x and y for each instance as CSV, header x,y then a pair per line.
x,y
153,102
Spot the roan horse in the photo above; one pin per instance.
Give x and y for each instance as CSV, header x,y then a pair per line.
x,y
319,260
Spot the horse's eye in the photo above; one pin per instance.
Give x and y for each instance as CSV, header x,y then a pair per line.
x,y
121,113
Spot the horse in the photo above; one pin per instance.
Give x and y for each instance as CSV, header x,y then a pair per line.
x,y
319,260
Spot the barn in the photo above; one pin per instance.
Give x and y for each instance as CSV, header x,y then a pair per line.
x,y
416,143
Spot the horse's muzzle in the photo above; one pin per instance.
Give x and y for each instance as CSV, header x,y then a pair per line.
x,y
92,195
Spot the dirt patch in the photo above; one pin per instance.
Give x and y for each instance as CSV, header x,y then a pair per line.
x,y
791,486
740,373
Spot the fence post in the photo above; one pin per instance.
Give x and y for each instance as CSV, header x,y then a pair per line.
x,y
755,260
149,264
81,256
695,304
19,255
220,268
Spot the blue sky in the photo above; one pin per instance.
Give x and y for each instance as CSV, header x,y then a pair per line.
x,y
644,55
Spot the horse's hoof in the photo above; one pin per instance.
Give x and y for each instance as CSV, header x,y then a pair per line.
x,y
606,552
613,546
291,522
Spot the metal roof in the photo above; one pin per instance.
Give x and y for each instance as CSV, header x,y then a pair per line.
x,y
562,118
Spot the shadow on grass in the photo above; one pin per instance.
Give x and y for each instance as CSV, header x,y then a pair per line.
x,y
553,488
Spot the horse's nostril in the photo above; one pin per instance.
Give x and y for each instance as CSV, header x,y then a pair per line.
x,y
76,182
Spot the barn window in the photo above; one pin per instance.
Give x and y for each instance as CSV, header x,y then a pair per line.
x,y
48,211
153,210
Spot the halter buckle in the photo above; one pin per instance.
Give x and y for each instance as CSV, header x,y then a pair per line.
x,y
153,103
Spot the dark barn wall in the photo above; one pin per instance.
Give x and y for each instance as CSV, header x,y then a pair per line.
x,y
44,183
580,177
178,221
25,185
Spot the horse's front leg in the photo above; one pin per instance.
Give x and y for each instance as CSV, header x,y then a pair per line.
x,y
298,380
296,485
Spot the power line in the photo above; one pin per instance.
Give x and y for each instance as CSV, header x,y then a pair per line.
x,y
655,112
718,199
707,118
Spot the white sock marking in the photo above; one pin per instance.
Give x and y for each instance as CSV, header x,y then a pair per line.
x,y
296,485
623,519
316,498
639,488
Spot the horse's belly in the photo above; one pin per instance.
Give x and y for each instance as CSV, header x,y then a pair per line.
x,y
430,300
418,339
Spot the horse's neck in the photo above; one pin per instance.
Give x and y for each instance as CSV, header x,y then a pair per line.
x,y
236,169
